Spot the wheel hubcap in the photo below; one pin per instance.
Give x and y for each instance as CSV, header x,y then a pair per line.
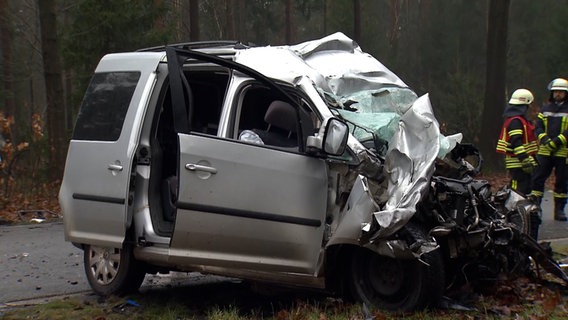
x,y
104,264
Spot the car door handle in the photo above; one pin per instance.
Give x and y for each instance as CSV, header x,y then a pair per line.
x,y
197,167
114,167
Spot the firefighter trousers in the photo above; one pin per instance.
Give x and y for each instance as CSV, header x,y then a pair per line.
x,y
544,169
520,181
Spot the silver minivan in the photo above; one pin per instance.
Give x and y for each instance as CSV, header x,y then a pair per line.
x,y
262,163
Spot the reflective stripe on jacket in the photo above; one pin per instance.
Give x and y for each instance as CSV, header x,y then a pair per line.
x,y
527,146
552,122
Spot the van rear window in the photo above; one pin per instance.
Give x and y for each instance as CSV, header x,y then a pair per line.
x,y
104,106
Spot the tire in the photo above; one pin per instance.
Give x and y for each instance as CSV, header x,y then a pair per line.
x,y
112,270
396,284
526,222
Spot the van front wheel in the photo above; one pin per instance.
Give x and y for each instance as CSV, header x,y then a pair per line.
x,y
112,270
397,284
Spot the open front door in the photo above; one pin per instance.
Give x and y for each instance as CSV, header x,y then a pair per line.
x,y
239,205
242,205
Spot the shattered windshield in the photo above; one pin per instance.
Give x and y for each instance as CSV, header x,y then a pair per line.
x,y
373,114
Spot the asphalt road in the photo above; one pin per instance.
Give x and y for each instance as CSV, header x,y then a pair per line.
x,y
36,262
551,230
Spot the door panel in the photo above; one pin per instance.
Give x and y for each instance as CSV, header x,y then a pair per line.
x,y
243,205
94,194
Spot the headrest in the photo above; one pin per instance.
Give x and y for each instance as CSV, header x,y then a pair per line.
x,y
282,115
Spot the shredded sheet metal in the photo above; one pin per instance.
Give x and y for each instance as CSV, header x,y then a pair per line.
x,y
409,165
356,216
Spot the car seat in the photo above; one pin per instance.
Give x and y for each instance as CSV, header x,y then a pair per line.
x,y
282,125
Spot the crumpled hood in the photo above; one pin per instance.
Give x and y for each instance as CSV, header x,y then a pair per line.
x,y
335,64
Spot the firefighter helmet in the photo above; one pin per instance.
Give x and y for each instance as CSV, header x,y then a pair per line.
x,y
559,84
521,96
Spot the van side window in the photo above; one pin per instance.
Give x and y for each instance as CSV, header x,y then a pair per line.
x,y
105,105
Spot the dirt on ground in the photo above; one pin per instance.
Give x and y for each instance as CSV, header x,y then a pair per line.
x,y
22,207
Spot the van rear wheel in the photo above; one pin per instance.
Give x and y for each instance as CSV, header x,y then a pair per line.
x,y
112,270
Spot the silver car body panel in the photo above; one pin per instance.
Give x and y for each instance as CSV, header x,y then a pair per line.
x,y
266,207
94,199
142,218
160,256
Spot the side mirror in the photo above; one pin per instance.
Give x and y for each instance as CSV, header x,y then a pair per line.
x,y
335,137
332,138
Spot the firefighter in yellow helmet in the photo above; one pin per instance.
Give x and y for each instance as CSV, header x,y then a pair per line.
x,y
551,130
517,141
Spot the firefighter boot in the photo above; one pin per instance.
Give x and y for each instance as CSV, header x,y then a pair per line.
x,y
559,209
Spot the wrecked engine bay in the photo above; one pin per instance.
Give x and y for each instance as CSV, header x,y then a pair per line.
x,y
475,235
409,176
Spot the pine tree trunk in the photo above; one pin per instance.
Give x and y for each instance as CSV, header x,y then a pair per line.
x,y
54,89
194,20
290,23
357,21
230,20
495,82
7,83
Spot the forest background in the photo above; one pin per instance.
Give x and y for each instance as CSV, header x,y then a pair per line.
x,y
467,55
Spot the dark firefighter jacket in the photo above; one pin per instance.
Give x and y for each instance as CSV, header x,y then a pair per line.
x,y
552,122
517,139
